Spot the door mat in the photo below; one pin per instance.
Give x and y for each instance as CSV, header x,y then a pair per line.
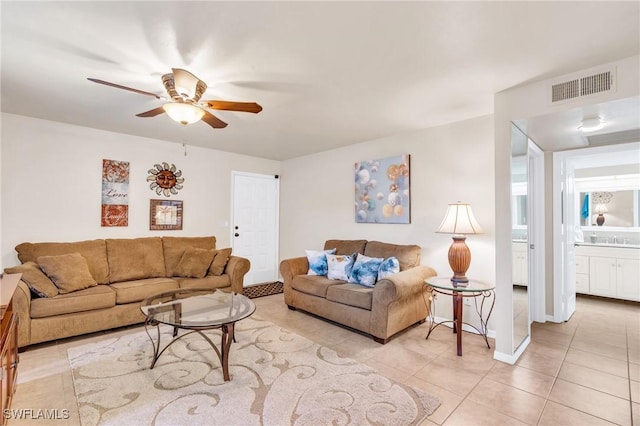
x,y
266,289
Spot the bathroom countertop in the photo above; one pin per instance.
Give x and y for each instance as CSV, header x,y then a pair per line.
x,y
619,245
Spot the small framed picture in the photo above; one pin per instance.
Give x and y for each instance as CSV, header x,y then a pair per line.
x,y
165,215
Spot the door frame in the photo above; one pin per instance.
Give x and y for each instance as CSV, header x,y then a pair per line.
x,y
235,173
536,264
568,161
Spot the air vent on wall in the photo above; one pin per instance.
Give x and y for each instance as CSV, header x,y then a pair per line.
x,y
583,86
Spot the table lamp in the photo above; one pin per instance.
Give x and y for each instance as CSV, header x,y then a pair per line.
x,y
600,209
459,221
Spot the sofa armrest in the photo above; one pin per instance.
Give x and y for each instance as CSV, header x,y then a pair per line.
x,y
237,267
289,268
21,301
400,286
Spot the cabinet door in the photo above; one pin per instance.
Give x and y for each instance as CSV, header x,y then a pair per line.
x,y
582,264
602,280
520,264
628,279
582,283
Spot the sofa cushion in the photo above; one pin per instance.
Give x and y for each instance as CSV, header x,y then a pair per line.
x,y
346,246
95,251
174,247
138,290
313,284
351,294
135,258
340,266
365,270
89,299
35,279
389,266
220,261
318,261
194,263
69,272
408,255
221,281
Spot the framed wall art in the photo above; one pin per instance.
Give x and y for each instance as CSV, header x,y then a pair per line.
x,y
382,190
115,193
165,215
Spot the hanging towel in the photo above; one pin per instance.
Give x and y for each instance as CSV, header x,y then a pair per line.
x,y
585,207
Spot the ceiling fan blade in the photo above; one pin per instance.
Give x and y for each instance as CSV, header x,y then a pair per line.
x,y
118,86
234,106
213,121
151,113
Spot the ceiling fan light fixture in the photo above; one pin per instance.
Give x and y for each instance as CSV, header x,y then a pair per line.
x,y
183,113
591,124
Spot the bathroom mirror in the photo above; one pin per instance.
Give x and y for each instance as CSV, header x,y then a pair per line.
x,y
609,208
519,235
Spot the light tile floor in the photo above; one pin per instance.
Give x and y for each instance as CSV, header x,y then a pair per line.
x,y
582,372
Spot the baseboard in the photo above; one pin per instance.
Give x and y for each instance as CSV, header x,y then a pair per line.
x,y
512,358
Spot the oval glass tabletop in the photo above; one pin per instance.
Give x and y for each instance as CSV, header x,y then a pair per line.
x,y
446,284
197,308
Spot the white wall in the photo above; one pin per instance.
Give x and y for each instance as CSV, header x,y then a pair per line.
x,y
449,163
519,103
52,175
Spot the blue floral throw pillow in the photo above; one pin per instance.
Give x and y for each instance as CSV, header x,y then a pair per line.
x,y
318,261
389,266
365,270
340,266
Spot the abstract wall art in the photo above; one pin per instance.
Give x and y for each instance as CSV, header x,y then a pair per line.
x,y
382,191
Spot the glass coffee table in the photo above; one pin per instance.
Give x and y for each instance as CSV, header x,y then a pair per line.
x,y
196,310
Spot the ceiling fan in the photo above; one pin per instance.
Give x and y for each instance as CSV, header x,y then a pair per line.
x,y
183,103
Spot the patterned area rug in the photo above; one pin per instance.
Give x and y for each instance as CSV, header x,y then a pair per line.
x,y
277,378
266,289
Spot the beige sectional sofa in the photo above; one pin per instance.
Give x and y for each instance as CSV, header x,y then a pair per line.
x,y
393,304
57,297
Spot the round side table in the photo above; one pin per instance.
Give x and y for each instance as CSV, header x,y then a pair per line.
x,y
458,291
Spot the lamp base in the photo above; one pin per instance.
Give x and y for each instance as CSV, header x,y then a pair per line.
x,y
600,219
459,259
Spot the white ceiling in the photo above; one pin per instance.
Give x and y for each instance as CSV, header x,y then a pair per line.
x,y
327,74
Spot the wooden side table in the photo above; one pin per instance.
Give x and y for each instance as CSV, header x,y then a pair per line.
x,y
8,341
474,289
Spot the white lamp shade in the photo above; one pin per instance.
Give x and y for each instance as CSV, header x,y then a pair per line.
x,y
459,220
601,208
183,113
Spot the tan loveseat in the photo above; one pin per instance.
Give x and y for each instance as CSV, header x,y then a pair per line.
x,y
121,273
393,304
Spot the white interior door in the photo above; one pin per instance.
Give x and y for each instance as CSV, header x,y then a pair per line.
x,y
254,228
536,224
564,225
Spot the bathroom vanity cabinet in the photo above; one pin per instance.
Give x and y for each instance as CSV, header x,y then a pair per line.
x,y
612,271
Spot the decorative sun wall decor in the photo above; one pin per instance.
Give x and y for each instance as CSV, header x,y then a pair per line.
x,y
165,179
382,190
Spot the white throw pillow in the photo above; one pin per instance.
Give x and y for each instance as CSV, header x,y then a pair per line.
x,y
389,266
339,266
318,261
365,270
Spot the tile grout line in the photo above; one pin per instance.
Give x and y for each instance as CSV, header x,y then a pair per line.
x,y
626,334
557,375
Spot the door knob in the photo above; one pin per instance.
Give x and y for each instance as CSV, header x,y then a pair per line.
x,y
236,234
